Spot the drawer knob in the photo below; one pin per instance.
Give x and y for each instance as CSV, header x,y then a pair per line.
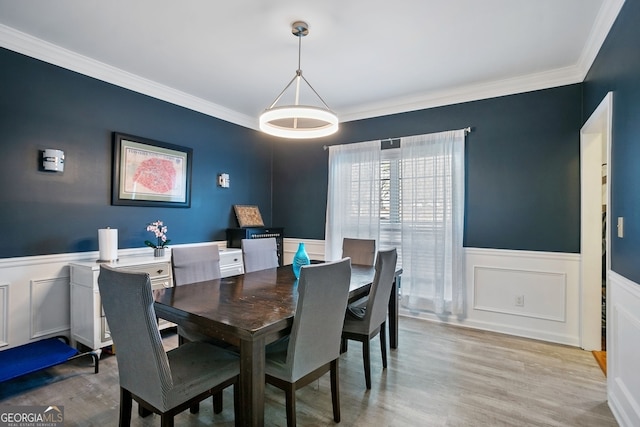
x,y
159,271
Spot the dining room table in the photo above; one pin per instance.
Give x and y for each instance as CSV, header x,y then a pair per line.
x,y
251,310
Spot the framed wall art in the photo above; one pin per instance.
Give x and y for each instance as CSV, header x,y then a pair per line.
x,y
248,216
150,173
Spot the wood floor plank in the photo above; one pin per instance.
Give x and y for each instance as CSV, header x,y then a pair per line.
x,y
440,376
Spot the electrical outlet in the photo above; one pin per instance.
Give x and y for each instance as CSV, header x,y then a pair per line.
x,y
519,300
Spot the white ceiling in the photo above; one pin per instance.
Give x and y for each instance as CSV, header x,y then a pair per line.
x,y
366,58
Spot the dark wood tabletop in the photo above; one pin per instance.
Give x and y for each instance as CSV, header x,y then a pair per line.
x,y
248,311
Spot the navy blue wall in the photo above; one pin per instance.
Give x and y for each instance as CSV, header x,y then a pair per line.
x,y
617,69
522,159
44,106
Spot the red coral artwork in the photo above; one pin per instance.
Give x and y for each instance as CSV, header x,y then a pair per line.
x,y
150,173
158,175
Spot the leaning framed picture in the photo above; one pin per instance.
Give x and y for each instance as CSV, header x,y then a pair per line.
x,y
248,216
150,173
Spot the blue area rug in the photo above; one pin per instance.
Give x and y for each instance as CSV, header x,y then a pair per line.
x,y
33,357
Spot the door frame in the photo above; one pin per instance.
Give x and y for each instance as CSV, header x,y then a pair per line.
x,y
595,150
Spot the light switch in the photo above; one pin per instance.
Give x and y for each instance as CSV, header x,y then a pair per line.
x,y
620,227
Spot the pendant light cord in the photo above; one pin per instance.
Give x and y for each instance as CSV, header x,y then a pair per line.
x,y
299,51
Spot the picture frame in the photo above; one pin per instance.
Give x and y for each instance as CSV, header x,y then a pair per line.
x,y
146,172
248,216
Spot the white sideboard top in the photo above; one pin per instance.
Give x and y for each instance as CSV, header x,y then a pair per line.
x,y
133,260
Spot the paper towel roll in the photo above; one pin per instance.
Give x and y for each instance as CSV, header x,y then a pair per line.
x,y
108,244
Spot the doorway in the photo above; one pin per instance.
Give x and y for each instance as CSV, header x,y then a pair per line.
x,y
595,230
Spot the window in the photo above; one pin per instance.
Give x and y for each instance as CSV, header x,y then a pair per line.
x,y
410,198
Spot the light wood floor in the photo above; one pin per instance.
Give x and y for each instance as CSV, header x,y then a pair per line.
x,y
440,376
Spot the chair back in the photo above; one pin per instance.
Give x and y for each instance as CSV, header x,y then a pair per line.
x,y
378,301
361,251
259,254
323,291
143,366
195,264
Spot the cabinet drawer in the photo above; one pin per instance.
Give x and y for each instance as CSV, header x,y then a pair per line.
x,y
159,270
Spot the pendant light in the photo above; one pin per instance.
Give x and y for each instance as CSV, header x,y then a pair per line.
x,y
298,121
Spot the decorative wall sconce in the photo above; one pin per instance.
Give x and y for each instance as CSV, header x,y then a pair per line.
x,y
223,180
53,160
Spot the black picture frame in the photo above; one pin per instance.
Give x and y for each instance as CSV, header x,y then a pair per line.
x,y
146,172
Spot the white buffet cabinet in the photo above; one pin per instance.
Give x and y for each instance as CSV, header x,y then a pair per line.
x,y
88,323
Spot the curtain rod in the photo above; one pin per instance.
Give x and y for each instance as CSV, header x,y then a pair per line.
x,y
466,130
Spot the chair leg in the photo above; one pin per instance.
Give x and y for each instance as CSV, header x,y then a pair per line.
x,y
217,402
126,401
335,391
343,345
290,400
383,345
367,363
166,420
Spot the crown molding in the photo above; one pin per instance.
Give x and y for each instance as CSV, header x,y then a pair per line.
x,y
604,21
475,92
53,54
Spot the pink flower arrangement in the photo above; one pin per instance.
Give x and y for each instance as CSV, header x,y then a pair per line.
x,y
160,231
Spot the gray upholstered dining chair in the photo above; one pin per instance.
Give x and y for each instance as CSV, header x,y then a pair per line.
x,y
259,254
313,347
164,383
193,264
361,251
367,318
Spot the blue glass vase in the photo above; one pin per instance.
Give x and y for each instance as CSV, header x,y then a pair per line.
x,y
299,259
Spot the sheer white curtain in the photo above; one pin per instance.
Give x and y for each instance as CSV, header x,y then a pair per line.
x,y
353,198
411,198
432,205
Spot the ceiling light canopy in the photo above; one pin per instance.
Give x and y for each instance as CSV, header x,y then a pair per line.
x,y
299,121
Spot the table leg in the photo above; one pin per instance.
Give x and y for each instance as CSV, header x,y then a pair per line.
x,y
393,313
252,361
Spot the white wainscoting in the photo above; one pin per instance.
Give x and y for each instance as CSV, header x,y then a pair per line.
x,y
547,282
529,293
4,314
623,349
49,306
